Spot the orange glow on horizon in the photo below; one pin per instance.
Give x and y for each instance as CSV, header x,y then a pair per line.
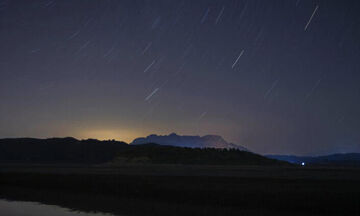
x,y
108,134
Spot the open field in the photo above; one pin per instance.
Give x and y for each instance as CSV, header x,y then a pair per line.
x,y
285,172
204,190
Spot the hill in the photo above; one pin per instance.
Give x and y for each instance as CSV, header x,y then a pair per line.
x,y
90,151
58,150
161,154
208,141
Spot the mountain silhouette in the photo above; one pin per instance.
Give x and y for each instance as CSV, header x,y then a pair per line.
x,y
208,141
58,150
91,151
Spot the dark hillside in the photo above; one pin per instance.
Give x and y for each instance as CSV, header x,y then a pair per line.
x,y
58,150
160,154
90,151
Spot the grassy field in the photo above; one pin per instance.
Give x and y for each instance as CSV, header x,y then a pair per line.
x,y
187,190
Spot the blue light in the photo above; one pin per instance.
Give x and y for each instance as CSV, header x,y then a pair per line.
x,y
302,163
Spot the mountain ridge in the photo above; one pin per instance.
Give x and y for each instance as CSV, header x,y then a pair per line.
x,y
173,139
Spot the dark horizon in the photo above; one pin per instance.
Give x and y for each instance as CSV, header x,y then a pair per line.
x,y
279,76
128,143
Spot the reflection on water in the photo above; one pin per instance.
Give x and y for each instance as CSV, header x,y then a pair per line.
x,y
16,208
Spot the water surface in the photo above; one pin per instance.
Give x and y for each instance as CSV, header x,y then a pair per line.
x,y
20,208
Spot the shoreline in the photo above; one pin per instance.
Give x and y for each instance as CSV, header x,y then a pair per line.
x,y
193,188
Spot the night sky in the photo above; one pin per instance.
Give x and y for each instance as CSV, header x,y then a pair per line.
x,y
274,76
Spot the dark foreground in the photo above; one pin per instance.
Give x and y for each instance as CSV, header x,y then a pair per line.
x,y
187,190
